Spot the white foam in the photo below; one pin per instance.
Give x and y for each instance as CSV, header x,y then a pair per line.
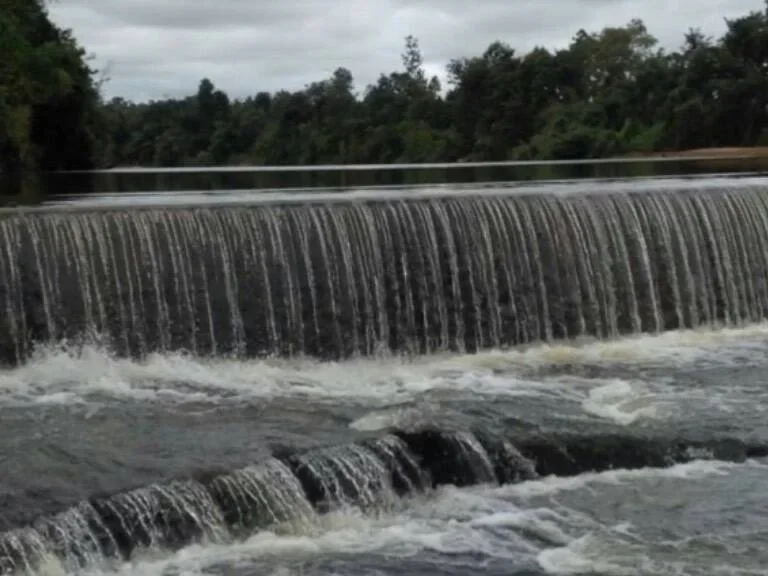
x,y
396,417
453,522
397,536
579,557
621,401
90,373
691,471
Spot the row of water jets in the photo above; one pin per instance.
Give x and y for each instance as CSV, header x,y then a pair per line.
x,y
278,492
361,277
288,492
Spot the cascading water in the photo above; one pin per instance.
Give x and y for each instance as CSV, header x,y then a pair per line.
x,y
419,465
415,275
296,488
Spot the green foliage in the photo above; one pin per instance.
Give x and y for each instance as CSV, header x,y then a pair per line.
x,y
48,102
608,93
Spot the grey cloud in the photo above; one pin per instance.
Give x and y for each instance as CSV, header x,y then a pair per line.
x,y
195,15
157,48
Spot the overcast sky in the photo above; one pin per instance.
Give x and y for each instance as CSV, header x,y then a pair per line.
x,y
158,48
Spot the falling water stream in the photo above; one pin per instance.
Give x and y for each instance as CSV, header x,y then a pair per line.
x,y
355,277
566,378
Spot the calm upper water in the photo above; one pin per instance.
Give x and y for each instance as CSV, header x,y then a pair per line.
x,y
37,188
79,422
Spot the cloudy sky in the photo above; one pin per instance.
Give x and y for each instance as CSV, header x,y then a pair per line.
x,y
158,48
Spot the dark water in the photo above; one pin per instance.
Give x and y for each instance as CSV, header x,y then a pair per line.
x,y
75,427
635,444
37,188
339,275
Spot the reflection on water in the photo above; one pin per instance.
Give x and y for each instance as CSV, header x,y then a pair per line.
x,y
33,189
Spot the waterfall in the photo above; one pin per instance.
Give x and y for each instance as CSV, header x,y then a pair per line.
x,y
355,277
293,490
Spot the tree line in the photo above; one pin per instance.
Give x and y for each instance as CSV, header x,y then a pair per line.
x,y
608,93
50,112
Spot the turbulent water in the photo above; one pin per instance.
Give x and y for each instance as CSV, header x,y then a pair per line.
x,y
611,421
356,273
449,464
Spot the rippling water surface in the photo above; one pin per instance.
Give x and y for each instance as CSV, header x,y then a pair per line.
x,y
81,422
644,453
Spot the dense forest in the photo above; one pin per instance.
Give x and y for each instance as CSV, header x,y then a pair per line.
x,y
49,103
608,93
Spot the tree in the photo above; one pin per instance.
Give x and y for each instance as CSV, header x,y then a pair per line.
x,y
48,100
609,92
412,60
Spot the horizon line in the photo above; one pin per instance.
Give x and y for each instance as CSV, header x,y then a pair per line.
x,y
403,166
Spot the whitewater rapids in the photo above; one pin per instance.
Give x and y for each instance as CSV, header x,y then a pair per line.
x,y
75,419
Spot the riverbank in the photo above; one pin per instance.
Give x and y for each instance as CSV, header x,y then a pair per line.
x,y
724,152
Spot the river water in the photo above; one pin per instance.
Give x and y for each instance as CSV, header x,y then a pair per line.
x,y
79,424
632,441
